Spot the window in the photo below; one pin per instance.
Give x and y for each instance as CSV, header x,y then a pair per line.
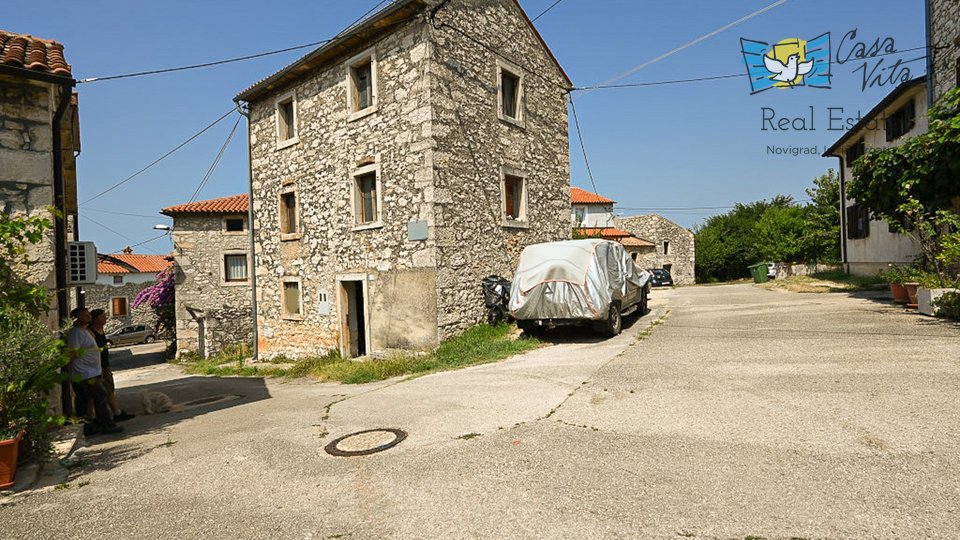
x,y
118,306
292,301
666,247
901,122
579,215
118,280
514,197
667,267
362,85
235,267
510,93
286,121
858,222
289,222
232,224
367,196
855,151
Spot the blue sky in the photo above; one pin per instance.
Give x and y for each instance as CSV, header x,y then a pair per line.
x,y
690,145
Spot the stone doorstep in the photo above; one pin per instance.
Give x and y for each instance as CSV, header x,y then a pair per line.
x,y
66,440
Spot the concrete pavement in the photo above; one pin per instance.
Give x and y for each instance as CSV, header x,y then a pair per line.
x,y
748,412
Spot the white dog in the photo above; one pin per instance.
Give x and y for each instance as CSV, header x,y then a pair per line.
x,y
155,402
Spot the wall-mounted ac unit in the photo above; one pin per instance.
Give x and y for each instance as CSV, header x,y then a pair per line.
x,y
81,263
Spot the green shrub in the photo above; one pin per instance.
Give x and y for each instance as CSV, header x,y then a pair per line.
x,y
949,305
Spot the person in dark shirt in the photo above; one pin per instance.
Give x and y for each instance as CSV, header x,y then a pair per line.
x,y
98,320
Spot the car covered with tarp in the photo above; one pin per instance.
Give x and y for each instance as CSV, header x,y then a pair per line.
x,y
577,281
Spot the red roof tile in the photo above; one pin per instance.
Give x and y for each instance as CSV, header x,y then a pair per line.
x,y
37,54
608,233
633,241
582,196
234,204
129,263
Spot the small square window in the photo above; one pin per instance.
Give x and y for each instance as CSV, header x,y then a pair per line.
x,y
514,197
233,224
288,213
118,280
235,267
286,119
118,306
292,302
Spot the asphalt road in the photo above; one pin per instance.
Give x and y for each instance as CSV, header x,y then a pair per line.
x,y
746,412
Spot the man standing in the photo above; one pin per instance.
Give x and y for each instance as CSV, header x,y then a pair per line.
x,y
86,372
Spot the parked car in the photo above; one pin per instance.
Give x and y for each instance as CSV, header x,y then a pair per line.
x,y
576,282
131,335
660,277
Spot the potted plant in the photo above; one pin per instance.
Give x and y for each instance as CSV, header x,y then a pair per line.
x,y
895,277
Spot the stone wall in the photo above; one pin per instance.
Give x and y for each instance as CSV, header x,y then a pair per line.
x,y
945,32
211,313
100,296
657,229
26,169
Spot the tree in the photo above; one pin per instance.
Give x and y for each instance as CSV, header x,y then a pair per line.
x,y
784,234
914,186
823,218
161,297
17,294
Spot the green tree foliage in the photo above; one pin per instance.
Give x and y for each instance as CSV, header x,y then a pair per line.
x,y
914,186
784,234
823,218
16,294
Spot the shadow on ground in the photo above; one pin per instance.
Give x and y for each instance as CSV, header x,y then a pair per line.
x,y
584,333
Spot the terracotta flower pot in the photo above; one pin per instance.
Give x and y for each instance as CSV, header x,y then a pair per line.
x,y
899,293
911,294
8,460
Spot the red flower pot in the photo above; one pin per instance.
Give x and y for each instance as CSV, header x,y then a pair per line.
x,y
911,294
899,293
8,460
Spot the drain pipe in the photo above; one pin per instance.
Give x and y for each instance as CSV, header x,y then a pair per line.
x,y
252,236
843,216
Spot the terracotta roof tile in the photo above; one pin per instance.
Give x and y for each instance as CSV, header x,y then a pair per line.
x,y
37,54
633,241
582,196
608,233
121,263
234,204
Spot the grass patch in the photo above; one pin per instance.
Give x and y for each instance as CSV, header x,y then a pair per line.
x,y
834,281
478,345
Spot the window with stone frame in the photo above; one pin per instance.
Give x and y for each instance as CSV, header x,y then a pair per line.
x,y
289,215
234,224
118,306
286,120
367,193
514,197
235,267
510,93
291,298
118,280
362,84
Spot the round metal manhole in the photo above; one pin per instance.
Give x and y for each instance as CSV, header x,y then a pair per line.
x,y
366,442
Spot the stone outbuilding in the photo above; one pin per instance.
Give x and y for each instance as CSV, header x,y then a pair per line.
x,y
673,245
211,243
39,139
120,278
395,167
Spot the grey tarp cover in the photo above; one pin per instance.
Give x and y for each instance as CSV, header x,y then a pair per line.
x,y
573,279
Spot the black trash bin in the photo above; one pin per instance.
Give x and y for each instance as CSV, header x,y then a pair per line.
x,y
496,295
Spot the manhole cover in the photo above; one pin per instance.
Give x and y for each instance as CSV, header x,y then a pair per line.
x,y
366,442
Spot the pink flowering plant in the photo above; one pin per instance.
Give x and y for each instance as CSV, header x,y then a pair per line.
x,y
160,297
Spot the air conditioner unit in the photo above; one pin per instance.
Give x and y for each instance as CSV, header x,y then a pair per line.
x,y
81,263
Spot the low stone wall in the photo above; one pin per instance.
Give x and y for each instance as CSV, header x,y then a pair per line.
x,y
787,270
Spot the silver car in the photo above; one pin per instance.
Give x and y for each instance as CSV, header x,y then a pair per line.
x,y
131,335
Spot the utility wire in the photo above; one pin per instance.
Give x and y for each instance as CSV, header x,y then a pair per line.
x,y
95,222
216,161
141,243
119,213
583,149
161,158
689,44
533,20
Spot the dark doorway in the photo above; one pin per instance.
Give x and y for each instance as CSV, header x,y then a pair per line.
x,y
354,320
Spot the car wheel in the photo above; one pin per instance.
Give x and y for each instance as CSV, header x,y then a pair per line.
x,y
150,339
109,343
614,322
643,303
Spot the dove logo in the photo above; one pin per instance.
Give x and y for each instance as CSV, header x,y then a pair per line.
x,y
789,63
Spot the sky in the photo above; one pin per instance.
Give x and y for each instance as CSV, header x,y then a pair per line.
x,y
686,151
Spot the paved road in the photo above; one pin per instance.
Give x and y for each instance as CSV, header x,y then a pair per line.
x,y
747,412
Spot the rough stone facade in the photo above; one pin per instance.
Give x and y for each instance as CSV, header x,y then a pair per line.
x,y
26,169
101,295
680,253
945,38
211,312
440,153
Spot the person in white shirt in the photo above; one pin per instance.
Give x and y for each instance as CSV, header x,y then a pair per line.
x,y
86,374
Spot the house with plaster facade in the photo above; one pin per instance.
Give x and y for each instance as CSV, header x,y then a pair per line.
x,y
395,167
211,245
120,278
39,140
868,246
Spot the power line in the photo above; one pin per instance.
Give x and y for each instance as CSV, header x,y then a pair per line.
x,y
216,161
583,149
95,222
120,213
141,243
161,158
533,20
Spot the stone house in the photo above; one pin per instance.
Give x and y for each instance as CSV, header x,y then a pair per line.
x,y
39,136
672,245
943,39
211,243
589,210
395,167
867,245
120,277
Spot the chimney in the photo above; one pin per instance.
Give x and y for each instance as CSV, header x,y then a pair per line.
x,y
127,250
